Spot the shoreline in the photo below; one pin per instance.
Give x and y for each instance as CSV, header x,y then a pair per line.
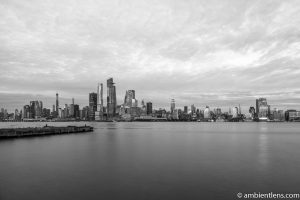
x,y
6,133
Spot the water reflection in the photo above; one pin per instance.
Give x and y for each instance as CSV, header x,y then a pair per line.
x,y
263,154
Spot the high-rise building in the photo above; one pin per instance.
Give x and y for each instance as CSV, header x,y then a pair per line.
x,y
57,103
5,114
185,109
262,108
206,113
111,98
175,115
129,98
100,108
172,105
193,109
16,114
35,110
98,95
54,113
26,111
92,105
60,113
71,111
149,108
32,109
252,112
235,112
76,111
38,109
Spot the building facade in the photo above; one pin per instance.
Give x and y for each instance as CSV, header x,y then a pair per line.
x,y
111,98
149,108
92,105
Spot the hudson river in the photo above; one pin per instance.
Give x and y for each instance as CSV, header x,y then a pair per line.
x,y
159,161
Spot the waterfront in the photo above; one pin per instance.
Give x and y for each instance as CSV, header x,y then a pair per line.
x,y
140,160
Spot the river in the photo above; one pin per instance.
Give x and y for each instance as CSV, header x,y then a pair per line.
x,y
151,160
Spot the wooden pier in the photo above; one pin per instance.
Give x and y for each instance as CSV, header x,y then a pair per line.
x,y
42,131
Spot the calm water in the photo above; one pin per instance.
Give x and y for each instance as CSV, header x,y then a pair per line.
x,y
152,161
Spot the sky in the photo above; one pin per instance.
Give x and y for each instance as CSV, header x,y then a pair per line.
x,y
218,53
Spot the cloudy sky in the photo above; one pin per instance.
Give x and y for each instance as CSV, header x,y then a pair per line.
x,y
219,53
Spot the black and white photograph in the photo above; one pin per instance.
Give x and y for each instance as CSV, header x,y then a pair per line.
x,y
149,99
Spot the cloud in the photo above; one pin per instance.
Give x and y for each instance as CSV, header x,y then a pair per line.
x,y
162,49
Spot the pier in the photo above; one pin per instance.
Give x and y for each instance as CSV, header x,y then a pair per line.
x,y
42,131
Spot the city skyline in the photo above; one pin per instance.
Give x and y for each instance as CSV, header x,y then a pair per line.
x,y
130,110
197,52
96,109
49,102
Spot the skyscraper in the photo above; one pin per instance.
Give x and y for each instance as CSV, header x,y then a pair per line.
x,y
252,112
172,105
100,109
98,94
207,115
26,111
35,110
92,105
57,103
262,108
235,112
76,111
111,98
193,109
185,109
129,98
149,108
101,94
32,109
71,110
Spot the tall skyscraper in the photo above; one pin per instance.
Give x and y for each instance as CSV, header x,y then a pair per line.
x,y
100,97
111,98
100,109
172,105
101,94
98,94
262,108
92,105
149,108
57,103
